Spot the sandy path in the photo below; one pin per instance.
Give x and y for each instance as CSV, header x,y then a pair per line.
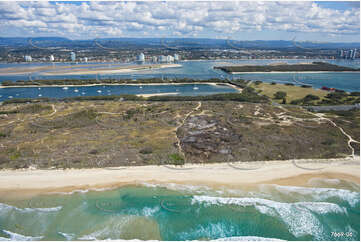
x,y
182,123
350,139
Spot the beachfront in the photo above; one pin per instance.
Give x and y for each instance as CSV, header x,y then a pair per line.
x,y
290,172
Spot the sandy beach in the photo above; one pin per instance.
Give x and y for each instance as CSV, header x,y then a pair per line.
x,y
157,94
291,172
74,70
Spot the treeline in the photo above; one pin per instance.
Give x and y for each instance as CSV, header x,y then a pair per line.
x,y
315,66
333,98
248,95
106,81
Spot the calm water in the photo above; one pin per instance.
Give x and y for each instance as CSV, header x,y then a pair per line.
x,y
61,92
181,212
196,70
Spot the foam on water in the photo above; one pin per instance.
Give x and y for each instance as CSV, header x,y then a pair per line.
x,y
67,236
82,191
247,238
298,216
149,212
15,236
6,207
178,187
321,194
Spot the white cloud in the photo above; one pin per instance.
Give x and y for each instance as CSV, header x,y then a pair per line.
x,y
116,19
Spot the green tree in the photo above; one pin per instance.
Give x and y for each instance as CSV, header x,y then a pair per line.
x,y
280,95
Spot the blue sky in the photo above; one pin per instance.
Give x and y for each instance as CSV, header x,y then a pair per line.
x,y
252,20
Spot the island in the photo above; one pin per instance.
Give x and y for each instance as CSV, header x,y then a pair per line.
x,y
284,67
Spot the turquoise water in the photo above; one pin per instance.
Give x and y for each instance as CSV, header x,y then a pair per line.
x,y
184,212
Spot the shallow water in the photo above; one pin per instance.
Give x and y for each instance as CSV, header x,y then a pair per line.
x,y
185,212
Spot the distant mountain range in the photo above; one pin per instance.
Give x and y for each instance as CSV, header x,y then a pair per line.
x,y
178,43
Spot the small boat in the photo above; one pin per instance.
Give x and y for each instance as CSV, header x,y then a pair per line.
x,y
195,88
83,93
40,95
76,90
99,91
65,88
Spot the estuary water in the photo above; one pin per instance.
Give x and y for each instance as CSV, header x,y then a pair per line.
x,y
321,211
198,70
72,91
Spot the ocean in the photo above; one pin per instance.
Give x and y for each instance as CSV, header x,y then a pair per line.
x,y
198,70
327,209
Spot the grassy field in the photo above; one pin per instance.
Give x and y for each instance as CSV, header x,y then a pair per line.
x,y
305,96
114,133
293,92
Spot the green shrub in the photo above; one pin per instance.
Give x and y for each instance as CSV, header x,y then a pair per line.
x,y
355,94
310,97
146,150
176,159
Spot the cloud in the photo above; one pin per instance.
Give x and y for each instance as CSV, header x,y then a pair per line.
x,y
185,18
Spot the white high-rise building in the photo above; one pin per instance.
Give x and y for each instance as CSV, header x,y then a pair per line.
x,y
51,58
141,57
154,59
354,54
85,59
28,58
176,57
170,58
162,58
72,56
341,53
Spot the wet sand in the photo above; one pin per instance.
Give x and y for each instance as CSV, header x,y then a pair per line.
x,y
297,173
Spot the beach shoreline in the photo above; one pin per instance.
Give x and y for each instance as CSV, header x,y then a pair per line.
x,y
70,70
120,84
290,172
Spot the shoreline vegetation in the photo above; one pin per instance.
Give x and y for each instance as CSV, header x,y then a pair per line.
x,y
284,68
